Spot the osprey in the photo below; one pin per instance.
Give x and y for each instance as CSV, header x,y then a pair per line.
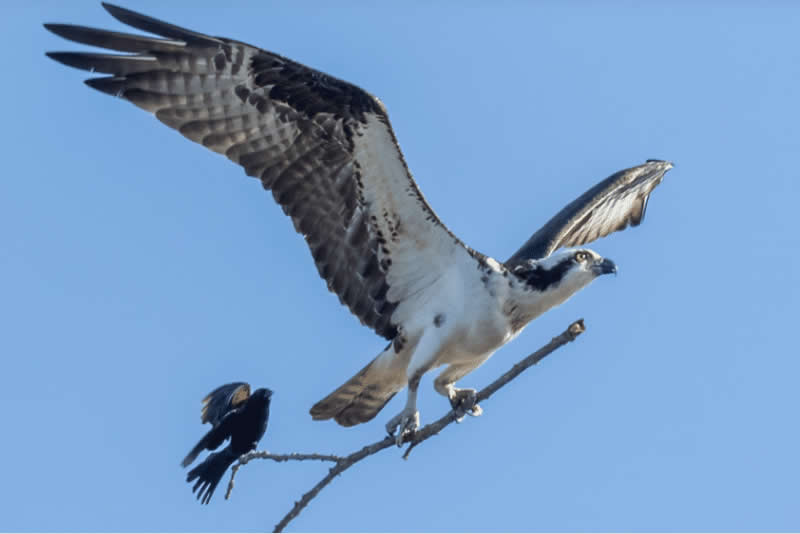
x,y
326,150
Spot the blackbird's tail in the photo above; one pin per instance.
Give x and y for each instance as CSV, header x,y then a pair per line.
x,y
209,472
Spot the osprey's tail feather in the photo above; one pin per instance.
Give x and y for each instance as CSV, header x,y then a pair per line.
x,y
361,398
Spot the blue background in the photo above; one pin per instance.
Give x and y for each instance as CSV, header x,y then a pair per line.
x,y
138,272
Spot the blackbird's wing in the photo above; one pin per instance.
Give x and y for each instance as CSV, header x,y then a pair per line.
x,y
223,400
221,431
220,408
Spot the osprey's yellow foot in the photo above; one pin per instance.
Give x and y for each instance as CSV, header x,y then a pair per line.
x,y
464,401
404,423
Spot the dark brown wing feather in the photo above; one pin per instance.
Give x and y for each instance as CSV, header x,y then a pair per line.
x,y
290,126
615,203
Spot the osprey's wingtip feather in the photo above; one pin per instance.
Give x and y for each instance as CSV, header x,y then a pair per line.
x,y
158,27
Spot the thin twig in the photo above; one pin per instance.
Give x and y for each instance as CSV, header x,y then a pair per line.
x,y
429,430
266,455
243,459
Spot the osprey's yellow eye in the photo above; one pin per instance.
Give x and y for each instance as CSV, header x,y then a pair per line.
x,y
581,256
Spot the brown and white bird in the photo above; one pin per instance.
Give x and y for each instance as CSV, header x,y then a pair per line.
x,y
326,151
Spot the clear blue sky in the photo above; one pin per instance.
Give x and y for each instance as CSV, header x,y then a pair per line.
x,y
139,271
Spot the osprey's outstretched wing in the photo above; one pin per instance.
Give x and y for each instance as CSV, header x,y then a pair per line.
x,y
324,148
613,204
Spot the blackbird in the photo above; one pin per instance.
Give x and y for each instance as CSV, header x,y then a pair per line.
x,y
234,414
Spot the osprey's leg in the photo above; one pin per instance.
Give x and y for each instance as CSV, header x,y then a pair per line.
x,y
463,400
407,421
422,360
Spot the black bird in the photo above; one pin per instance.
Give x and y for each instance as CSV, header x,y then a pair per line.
x,y
233,413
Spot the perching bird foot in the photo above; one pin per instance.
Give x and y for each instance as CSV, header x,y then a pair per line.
x,y
404,423
464,402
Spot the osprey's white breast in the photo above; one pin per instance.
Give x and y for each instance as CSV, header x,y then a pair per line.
x,y
465,309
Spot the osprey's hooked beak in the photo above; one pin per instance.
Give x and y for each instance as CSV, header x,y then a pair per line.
x,y
604,266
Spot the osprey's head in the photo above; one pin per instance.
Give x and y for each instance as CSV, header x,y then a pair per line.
x,y
564,271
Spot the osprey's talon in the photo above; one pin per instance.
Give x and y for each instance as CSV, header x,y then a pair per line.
x,y
464,403
405,424
393,423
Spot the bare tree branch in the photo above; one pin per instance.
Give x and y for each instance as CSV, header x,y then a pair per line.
x,y
341,463
266,455
337,469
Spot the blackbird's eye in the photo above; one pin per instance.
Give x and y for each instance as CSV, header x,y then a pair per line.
x,y
581,256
